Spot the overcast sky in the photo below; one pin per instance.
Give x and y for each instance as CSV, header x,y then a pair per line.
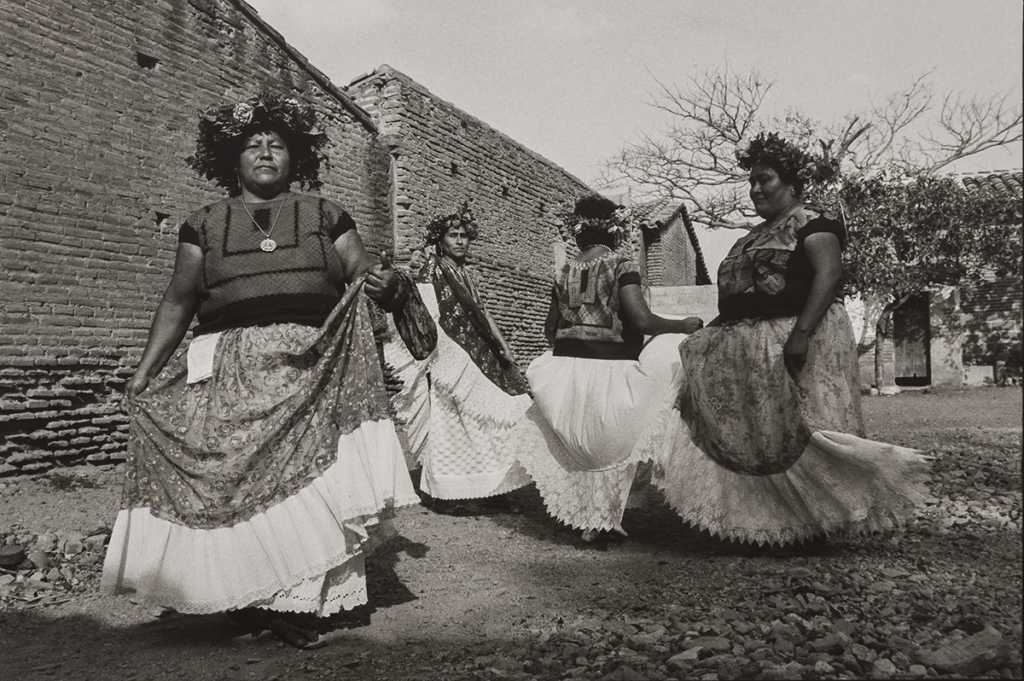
x,y
570,78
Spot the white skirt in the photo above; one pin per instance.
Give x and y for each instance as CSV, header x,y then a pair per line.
x,y
455,421
304,554
577,441
740,394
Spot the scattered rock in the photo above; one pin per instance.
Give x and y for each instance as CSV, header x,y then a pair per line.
x,y
713,643
882,668
11,555
971,656
624,673
40,560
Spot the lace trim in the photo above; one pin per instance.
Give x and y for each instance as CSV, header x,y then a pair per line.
x,y
840,484
321,527
581,499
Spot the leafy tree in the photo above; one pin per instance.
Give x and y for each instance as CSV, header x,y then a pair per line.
x,y
910,229
908,236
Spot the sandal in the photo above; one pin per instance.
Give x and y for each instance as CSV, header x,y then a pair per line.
x,y
294,636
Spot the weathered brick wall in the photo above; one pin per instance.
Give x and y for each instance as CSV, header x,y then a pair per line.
x,y
98,106
442,156
671,258
992,318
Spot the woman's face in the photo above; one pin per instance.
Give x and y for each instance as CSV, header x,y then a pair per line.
x,y
771,196
455,243
264,166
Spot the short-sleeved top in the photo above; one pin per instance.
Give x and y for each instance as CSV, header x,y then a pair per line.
x,y
300,281
767,273
590,319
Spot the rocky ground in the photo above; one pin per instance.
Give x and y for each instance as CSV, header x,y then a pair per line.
x,y
514,596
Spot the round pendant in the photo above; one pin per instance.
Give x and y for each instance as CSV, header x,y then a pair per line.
x,y
268,245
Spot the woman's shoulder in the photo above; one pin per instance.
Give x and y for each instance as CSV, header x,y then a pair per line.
x,y
813,220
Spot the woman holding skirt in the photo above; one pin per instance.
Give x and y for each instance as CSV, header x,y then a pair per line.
x,y
262,463
457,406
765,440
596,390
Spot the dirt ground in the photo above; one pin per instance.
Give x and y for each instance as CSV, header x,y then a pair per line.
x,y
516,596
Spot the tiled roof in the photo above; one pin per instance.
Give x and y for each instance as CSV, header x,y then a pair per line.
x,y
659,213
1001,181
655,213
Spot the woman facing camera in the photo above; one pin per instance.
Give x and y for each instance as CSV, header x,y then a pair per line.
x,y
262,463
766,443
596,389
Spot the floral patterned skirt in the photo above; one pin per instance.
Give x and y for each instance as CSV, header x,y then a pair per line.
x,y
751,455
261,485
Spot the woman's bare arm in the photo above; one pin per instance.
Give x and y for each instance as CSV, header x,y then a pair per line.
x,y
173,316
640,317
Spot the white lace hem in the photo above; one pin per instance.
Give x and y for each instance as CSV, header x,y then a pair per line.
x,y
325,525
454,420
841,484
585,500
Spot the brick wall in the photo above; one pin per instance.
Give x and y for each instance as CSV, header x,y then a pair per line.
x,y
98,107
671,257
442,156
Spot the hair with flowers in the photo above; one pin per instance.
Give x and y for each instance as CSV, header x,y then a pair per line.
x,y
794,166
461,217
596,219
223,129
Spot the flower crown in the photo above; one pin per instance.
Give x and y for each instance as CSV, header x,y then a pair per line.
x,y
594,213
222,128
774,150
440,224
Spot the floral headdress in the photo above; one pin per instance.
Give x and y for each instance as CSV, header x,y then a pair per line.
x,y
223,129
440,224
795,166
594,213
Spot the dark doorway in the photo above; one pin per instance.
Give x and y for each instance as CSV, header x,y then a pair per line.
x,y
912,335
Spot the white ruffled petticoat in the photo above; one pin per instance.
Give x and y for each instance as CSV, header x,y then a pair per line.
x,y
454,420
839,482
577,441
295,557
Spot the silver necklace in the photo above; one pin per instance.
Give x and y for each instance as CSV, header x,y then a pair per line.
x,y
267,244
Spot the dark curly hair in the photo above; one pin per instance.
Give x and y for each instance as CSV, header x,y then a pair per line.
x,y
440,224
793,165
596,219
224,129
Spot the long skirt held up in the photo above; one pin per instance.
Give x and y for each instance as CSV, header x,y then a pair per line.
x,y
454,419
578,439
751,455
265,484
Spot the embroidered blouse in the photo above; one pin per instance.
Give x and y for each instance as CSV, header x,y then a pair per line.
x,y
590,321
298,282
767,273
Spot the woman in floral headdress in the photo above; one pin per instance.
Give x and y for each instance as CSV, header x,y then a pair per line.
x,y
458,405
262,462
765,441
594,391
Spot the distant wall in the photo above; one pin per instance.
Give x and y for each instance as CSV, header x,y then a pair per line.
x,y
441,156
670,257
684,301
992,319
98,105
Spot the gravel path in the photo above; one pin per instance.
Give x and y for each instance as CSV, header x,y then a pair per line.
x,y
517,597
